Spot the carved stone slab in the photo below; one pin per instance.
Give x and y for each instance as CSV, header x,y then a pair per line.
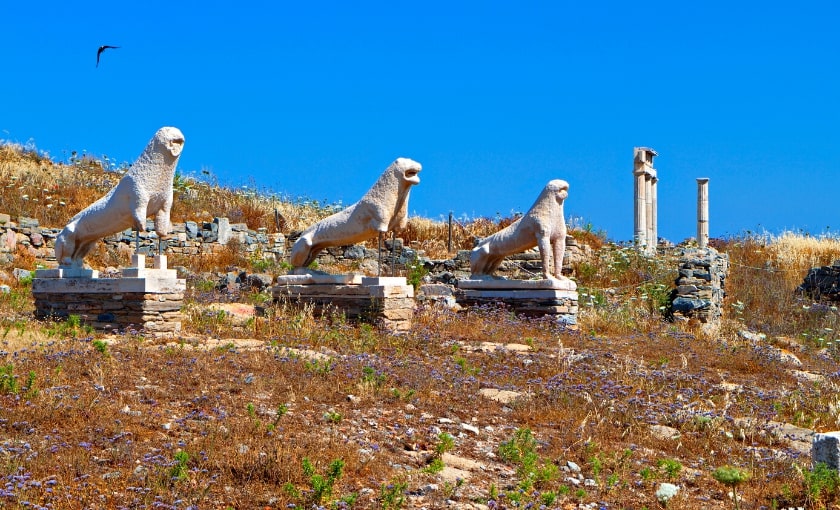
x,y
553,284
319,279
108,285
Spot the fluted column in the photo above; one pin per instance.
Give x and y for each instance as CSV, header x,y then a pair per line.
x,y
703,212
654,236
651,241
639,209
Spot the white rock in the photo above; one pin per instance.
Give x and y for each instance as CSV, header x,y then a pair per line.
x,y
664,432
666,491
752,337
428,488
470,428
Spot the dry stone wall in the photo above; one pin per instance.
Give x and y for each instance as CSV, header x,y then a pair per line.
x,y
155,313
197,238
701,285
822,283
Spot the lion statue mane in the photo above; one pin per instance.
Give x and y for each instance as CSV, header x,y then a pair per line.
x,y
543,226
383,208
145,190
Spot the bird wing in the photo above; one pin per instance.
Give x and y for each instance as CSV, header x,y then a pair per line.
x,y
101,49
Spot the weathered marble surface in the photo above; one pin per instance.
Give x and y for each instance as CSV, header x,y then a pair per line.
x,y
382,209
543,226
145,190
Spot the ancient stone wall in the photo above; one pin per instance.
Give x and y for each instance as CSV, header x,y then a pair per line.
x,y
822,283
197,238
700,285
155,313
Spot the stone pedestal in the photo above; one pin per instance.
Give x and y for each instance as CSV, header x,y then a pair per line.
x,y
386,301
558,298
826,448
142,299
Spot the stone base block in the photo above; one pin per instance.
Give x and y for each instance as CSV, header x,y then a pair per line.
x,y
152,305
826,448
530,299
505,284
309,279
65,272
388,302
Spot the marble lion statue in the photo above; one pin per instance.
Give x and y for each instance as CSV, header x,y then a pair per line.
x,y
543,226
145,190
382,209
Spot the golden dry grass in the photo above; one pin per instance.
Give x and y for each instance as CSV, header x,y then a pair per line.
x,y
794,254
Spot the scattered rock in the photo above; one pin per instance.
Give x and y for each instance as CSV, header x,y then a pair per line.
x,y
21,274
470,428
664,432
752,337
503,396
260,281
666,492
461,463
808,376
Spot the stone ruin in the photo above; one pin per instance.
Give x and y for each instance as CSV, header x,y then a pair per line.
x,y
384,208
141,298
145,190
645,205
822,283
543,226
387,301
701,285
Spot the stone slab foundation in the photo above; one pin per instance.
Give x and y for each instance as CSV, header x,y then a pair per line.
x,y
387,302
701,286
150,300
532,298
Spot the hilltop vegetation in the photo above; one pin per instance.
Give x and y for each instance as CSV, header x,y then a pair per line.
x,y
475,409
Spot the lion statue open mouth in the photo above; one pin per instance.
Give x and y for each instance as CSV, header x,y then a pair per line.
x,y
543,226
145,190
383,208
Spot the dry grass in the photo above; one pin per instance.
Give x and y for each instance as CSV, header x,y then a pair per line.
x,y
225,415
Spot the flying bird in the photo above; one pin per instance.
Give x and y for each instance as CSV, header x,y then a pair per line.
x,y
101,49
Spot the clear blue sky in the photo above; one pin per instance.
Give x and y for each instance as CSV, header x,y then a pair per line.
x,y
493,98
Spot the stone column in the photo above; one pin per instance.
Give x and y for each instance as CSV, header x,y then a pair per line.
x,y
703,212
654,237
651,242
644,231
639,209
